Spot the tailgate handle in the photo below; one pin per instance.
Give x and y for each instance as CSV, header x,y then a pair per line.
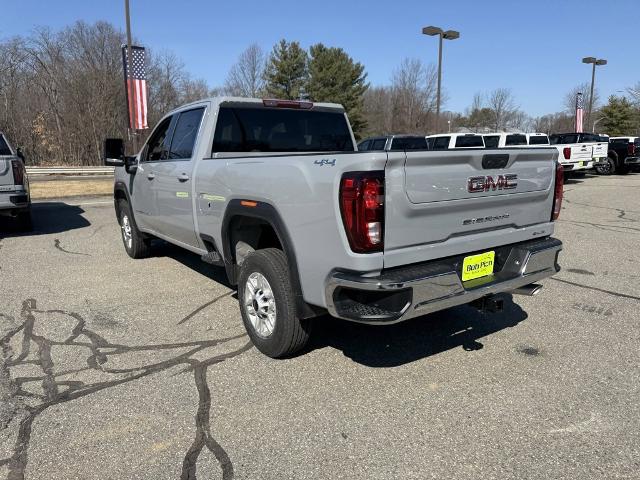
x,y
495,160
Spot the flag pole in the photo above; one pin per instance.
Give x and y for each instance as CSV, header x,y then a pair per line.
x,y
130,95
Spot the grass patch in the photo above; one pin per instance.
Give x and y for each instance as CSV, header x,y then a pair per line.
x,y
70,188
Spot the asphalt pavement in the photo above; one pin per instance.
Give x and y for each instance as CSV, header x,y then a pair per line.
x,y
140,369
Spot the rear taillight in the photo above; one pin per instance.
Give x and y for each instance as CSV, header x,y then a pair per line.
x,y
18,172
558,192
566,151
362,208
631,148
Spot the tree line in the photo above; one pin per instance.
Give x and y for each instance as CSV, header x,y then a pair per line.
x,y
62,93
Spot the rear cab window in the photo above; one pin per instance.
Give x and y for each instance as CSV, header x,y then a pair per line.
x,y
515,139
408,143
538,140
441,143
468,141
257,129
491,141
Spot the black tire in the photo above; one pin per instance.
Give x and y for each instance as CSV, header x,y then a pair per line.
x,y
134,241
24,222
289,334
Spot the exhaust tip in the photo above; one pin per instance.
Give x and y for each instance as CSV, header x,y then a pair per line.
x,y
528,290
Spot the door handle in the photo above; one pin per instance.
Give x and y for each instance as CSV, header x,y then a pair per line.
x,y
183,178
151,176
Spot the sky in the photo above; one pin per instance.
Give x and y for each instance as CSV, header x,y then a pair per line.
x,y
533,48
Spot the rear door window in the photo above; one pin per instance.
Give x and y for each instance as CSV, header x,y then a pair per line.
x,y
467,141
257,129
378,144
4,147
491,141
185,133
441,143
409,143
364,146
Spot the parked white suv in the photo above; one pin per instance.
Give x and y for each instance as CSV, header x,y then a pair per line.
x,y
452,141
14,185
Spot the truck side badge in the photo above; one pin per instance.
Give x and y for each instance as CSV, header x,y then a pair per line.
x,y
325,161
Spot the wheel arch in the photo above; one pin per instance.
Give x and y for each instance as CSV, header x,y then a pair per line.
x,y
262,216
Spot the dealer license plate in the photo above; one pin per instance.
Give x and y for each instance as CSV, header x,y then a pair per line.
x,y
476,266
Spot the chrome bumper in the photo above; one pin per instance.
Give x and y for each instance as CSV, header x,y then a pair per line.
x,y
634,161
403,293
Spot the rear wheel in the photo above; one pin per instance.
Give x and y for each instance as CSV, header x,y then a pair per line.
x,y
135,243
267,305
606,168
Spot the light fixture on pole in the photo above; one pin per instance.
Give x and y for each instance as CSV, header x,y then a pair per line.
x,y
594,61
446,35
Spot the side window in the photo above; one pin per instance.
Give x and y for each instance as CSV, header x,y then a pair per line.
x,y
184,136
378,144
441,143
364,146
156,145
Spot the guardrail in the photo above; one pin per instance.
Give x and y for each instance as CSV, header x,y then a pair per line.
x,y
38,171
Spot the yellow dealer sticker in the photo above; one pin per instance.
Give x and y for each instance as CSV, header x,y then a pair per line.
x,y
476,266
182,194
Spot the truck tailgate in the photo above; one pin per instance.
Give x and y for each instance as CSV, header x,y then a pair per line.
x,y
450,202
579,153
6,173
600,150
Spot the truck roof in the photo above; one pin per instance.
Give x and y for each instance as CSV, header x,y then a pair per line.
x,y
258,102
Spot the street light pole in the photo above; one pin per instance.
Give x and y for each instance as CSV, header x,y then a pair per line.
x,y
595,61
442,35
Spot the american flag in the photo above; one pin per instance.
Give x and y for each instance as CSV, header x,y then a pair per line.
x,y
579,112
134,77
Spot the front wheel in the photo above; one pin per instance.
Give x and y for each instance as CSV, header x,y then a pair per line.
x,y
267,305
135,243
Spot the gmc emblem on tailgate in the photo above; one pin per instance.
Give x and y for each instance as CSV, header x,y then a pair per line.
x,y
487,182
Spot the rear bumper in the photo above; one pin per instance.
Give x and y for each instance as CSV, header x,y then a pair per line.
x,y
402,293
632,161
11,201
581,165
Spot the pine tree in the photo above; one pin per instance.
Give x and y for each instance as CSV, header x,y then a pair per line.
x,y
286,71
620,118
335,77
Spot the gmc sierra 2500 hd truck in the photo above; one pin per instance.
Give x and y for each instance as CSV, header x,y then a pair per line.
x,y
277,193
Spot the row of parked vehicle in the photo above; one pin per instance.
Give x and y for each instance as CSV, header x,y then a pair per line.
x,y
577,150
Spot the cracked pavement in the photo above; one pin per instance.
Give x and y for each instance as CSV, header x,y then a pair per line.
x,y
117,368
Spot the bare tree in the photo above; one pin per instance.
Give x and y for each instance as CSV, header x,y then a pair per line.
x,y
246,77
585,89
502,106
62,93
414,95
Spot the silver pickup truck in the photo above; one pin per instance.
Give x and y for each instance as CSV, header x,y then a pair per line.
x,y
15,200
276,192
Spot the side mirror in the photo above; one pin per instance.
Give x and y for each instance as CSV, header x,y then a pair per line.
x,y
20,154
114,152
